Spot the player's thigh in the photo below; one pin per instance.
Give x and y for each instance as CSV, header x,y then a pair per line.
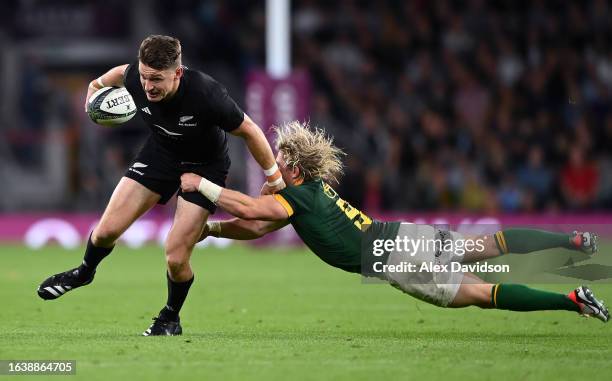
x,y
129,201
187,227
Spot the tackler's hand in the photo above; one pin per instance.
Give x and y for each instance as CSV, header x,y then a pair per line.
x,y
190,182
205,233
271,188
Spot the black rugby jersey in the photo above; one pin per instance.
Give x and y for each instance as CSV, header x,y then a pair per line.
x,y
192,124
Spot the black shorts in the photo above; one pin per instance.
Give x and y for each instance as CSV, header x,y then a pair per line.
x,y
160,171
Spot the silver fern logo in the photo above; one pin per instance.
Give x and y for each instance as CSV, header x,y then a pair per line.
x,y
186,118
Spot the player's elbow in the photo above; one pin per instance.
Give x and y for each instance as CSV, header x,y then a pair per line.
x,y
258,231
263,228
247,130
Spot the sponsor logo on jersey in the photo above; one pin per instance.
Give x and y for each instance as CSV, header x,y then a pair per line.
x,y
146,109
186,118
137,165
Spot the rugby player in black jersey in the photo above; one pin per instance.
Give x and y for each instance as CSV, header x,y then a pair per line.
x,y
189,114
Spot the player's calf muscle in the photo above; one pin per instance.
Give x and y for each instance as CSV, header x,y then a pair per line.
x,y
490,248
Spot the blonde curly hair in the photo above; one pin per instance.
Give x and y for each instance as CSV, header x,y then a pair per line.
x,y
310,150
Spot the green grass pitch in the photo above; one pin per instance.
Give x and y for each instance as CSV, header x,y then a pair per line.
x,y
279,314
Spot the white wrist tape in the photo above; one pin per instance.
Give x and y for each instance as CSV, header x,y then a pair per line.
x,y
272,170
214,227
209,189
99,80
275,182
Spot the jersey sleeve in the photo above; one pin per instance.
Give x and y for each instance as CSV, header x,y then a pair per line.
x,y
288,208
225,112
130,77
296,199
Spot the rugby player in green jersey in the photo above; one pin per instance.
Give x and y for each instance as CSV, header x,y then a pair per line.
x,y
343,236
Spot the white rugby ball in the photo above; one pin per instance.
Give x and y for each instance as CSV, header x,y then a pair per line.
x,y
110,106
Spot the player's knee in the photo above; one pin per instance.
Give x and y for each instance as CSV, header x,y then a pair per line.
x,y
177,248
177,253
176,264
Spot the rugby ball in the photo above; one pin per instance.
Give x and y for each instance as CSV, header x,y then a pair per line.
x,y
110,106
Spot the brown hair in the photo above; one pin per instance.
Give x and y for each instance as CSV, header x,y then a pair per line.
x,y
160,52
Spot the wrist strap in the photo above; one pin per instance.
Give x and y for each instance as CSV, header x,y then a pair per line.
x,y
214,227
209,189
275,182
272,170
98,81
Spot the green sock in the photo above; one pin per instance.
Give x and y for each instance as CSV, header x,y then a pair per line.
x,y
517,297
521,241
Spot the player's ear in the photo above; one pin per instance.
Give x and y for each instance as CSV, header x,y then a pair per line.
x,y
178,72
295,173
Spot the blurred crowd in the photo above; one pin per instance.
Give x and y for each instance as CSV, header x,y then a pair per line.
x,y
485,106
449,105
473,105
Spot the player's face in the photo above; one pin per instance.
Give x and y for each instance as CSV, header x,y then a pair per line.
x,y
159,84
290,175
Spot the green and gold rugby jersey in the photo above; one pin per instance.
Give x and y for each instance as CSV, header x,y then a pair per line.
x,y
330,226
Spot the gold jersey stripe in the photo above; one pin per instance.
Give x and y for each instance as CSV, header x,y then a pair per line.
x,y
284,203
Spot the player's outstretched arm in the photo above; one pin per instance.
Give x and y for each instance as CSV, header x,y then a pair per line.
x,y
240,229
262,153
113,77
237,204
